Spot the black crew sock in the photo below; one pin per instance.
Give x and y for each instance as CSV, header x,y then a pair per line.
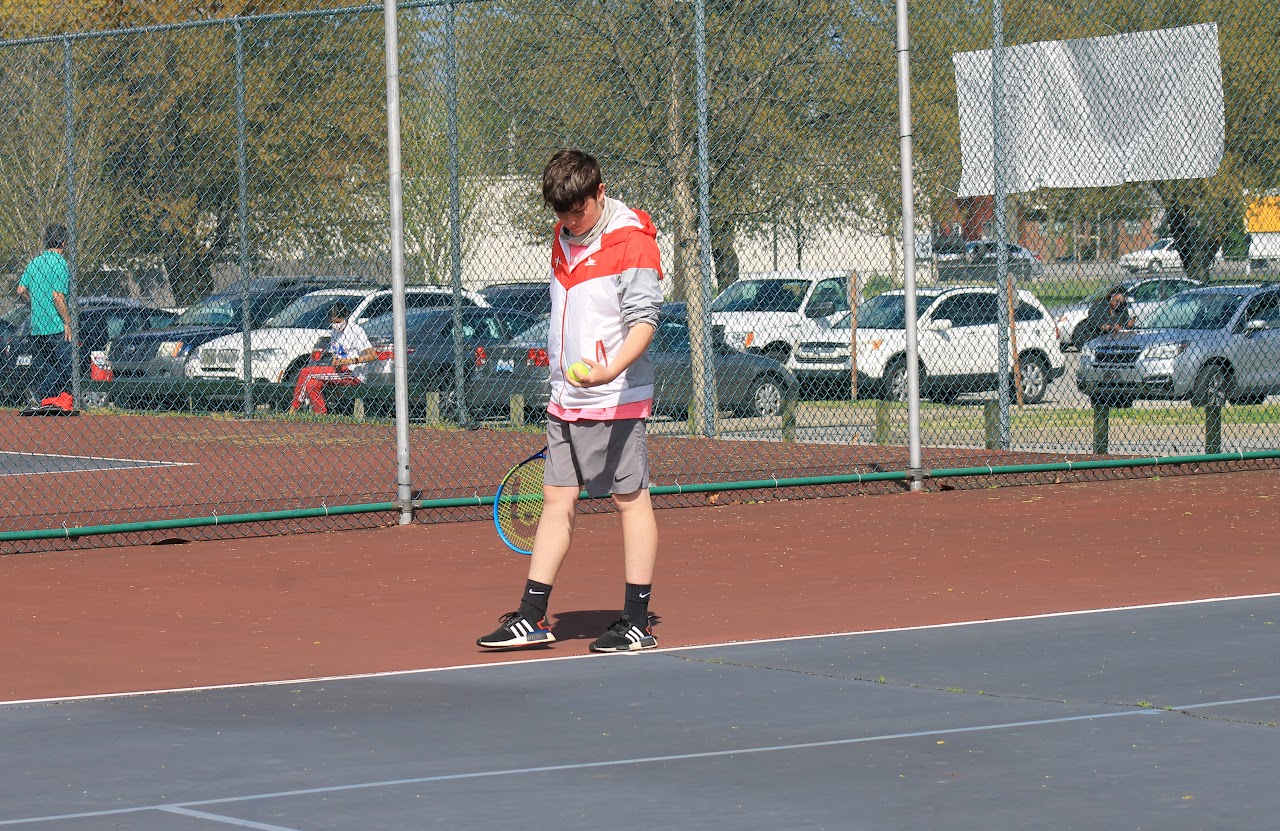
x,y
533,605
637,605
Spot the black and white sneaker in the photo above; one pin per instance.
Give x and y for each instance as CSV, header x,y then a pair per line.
x,y
514,630
624,636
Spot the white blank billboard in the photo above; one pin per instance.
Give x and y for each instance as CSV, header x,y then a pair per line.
x,y
1135,107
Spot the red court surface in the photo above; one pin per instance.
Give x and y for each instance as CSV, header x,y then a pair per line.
x,y
116,620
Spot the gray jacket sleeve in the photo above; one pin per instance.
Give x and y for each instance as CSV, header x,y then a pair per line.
x,y
641,296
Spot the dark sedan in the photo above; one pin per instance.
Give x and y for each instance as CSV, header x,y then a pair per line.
x,y
99,320
747,384
429,363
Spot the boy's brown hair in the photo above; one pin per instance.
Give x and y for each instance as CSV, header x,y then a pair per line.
x,y
569,179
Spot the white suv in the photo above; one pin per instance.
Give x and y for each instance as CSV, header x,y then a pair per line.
x,y
768,313
957,338
283,346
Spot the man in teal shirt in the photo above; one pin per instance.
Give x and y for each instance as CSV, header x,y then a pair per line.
x,y
45,284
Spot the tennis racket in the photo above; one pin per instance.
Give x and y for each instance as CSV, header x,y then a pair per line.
x,y
517,506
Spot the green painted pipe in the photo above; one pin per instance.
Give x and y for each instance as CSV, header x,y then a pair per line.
x,y
658,490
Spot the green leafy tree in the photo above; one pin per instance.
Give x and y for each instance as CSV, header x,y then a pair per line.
x,y
160,107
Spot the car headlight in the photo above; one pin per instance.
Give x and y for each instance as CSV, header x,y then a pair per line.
x,y
264,354
170,349
1086,353
1165,351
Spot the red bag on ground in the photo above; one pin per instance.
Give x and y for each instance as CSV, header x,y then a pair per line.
x,y
62,400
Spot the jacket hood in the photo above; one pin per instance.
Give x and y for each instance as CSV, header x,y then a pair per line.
x,y
624,222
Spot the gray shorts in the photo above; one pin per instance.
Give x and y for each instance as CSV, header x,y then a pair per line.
x,y
602,457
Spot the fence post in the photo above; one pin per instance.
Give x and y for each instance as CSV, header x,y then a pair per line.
x,y
431,402
788,419
1212,428
991,424
884,420
516,405
1101,428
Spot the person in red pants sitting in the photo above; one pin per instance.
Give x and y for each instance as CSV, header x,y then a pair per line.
x,y
352,353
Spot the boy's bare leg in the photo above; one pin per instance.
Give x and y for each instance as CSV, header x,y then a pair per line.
x,y
639,535
555,532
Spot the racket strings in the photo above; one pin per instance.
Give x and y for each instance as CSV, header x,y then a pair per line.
x,y
519,503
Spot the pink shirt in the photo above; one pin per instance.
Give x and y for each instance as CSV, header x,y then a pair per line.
x,y
634,409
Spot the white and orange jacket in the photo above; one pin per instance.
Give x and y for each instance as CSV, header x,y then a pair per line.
x,y
596,297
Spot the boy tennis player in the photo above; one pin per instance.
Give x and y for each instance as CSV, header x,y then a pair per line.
x,y
605,300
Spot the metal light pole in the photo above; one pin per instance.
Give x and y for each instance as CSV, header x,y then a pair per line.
x,y
909,248
404,482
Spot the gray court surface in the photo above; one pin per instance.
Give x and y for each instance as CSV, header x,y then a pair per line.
x,y
1148,718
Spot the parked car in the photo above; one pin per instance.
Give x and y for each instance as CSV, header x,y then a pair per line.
x,y
767,313
167,353
430,348
283,345
99,319
1208,345
1160,255
978,260
747,384
1144,294
533,297
957,341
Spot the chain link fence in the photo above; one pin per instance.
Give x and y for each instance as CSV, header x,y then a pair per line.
x,y
1085,291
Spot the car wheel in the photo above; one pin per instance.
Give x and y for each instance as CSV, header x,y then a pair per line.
x,y
766,397
777,352
1210,387
291,374
895,382
1035,378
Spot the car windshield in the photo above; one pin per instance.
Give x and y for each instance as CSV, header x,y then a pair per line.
x,y
310,311
224,310
213,311
884,311
762,296
537,333
1196,310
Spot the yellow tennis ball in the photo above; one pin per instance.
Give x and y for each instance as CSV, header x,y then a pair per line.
x,y
579,371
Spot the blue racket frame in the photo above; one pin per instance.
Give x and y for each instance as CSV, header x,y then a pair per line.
x,y
541,454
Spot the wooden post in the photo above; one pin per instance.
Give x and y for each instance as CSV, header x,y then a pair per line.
x,y
357,408
884,420
991,424
853,335
1213,429
431,403
1013,343
517,410
788,419
1101,429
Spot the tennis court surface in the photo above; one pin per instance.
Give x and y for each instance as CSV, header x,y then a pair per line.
x,y
1073,657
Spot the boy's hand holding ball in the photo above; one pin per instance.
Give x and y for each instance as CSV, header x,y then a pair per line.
x,y
579,372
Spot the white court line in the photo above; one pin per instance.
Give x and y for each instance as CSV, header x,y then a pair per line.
x,y
624,655
241,823
184,807
609,763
